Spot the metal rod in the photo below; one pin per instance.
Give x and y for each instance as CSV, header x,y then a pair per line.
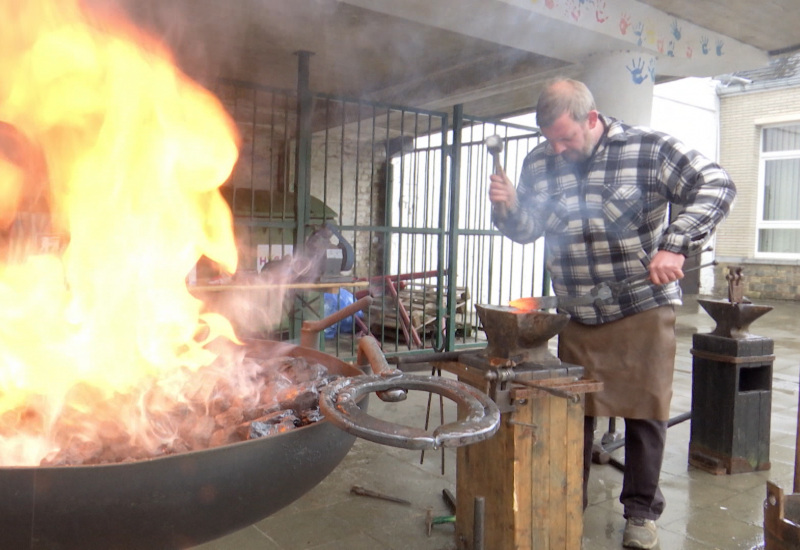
x,y
361,491
478,523
401,360
449,499
614,445
427,418
309,333
441,417
454,242
646,275
553,391
302,167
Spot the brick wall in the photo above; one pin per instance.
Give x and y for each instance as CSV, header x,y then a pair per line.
x,y
349,176
762,280
741,116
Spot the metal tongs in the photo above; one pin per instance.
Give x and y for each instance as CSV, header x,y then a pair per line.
x,y
603,293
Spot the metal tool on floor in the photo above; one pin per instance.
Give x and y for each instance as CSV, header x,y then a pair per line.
x,y
431,520
479,515
361,491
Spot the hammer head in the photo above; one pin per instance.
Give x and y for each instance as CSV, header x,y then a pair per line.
x,y
494,144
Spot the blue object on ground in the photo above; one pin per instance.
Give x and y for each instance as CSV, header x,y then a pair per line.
x,y
334,303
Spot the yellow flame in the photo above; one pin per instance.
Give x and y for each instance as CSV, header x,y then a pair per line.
x,y
133,154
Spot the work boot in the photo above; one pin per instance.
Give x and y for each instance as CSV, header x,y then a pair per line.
x,y
640,533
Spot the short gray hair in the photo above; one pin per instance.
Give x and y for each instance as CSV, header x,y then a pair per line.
x,y
563,95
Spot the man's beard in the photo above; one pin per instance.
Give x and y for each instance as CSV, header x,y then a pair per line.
x,y
584,153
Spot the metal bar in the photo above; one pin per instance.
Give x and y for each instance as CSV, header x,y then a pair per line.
x,y
453,228
361,491
408,329
302,167
303,149
441,417
549,389
479,517
311,329
614,445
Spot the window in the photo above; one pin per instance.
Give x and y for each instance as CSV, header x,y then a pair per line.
x,y
778,222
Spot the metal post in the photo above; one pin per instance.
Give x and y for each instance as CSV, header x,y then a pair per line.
x,y
479,513
453,231
302,149
302,170
438,343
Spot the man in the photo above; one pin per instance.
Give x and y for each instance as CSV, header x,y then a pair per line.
x,y
598,190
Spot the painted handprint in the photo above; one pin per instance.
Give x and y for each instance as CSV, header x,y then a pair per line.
x,y
624,23
671,49
651,68
704,44
550,4
689,52
660,45
676,30
636,69
720,43
600,11
576,10
638,30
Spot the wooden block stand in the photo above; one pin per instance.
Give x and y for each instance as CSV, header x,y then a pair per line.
x,y
731,403
530,474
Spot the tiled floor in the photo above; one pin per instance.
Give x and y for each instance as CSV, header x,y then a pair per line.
x,y
704,511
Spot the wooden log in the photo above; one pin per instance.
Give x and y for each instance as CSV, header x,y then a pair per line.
x,y
530,472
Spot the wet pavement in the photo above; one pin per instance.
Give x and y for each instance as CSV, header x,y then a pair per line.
x,y
704,511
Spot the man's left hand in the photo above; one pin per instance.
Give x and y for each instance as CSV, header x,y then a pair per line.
x,y
666,267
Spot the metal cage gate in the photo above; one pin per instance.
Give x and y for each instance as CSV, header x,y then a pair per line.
x,y
405,188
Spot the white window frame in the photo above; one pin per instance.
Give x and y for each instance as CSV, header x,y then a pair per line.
x,y
763,157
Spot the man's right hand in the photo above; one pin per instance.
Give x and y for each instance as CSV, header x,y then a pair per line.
x,y
501,191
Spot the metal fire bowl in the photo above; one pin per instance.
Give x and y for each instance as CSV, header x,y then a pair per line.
x,y
512,333
733,318
172,502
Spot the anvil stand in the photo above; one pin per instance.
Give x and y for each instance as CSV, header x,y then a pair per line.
x,y
731,387
730,343
530,473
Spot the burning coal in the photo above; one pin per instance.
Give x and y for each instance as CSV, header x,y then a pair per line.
x,y
110,164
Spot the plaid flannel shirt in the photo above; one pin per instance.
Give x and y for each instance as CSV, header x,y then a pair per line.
x,y
606,224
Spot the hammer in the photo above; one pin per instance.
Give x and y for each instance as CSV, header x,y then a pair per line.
x,y
494,144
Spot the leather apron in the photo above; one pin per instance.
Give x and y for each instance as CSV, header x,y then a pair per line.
x,y
634,357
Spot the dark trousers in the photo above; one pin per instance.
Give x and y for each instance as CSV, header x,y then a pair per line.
x,y
644,454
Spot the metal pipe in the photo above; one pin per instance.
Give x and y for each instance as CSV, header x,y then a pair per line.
x,y
369,352
479,516
302,183
309,334
426,358
454,242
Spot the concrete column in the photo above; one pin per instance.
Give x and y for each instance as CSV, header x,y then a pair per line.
x,y
622,83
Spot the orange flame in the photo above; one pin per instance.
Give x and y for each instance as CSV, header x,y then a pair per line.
x,y
110,163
